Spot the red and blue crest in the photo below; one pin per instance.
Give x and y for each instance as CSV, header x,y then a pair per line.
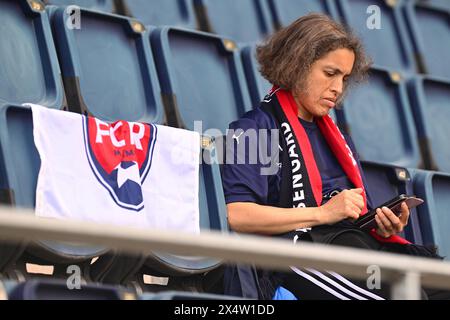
x,y
120,156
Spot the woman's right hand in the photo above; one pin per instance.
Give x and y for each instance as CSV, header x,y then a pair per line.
x,y
348,204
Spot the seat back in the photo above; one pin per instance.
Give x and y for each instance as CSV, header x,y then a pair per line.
x,y
434,188
157,13
107,67
286,11
379,119
388,42
431,105
385,182
430,29
29,70
201,78
244,21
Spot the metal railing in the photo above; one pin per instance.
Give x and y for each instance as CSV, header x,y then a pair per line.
x,y
406,274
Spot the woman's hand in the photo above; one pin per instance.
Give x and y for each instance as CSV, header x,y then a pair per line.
x,y
388,223
347,204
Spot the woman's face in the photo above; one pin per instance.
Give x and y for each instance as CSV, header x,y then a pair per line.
x,y
325,84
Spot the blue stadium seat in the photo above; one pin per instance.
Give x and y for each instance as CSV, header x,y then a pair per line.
x,y
99,5
286,11
430,30
431,105
29,70
258,87
385,182
379,119
107,67
19,167
157,13
201,78
244,21
434,188
50,289
390,45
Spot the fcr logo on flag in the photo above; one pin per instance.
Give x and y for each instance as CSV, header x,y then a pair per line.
x,y
120,155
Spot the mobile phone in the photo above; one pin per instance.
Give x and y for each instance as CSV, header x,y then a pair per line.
x,y
368,221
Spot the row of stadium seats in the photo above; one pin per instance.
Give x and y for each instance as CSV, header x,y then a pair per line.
x,y
168,72
413,35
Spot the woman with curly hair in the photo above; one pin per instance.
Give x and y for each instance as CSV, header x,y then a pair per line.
x,y
318,189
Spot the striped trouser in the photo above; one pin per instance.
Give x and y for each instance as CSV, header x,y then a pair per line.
x,y
310,284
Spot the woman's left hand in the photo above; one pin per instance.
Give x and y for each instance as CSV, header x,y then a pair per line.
x,y
388,223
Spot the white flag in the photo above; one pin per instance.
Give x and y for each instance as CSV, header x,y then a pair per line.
x,y
124,173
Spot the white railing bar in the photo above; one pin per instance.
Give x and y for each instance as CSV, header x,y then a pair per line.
x,y
21,224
